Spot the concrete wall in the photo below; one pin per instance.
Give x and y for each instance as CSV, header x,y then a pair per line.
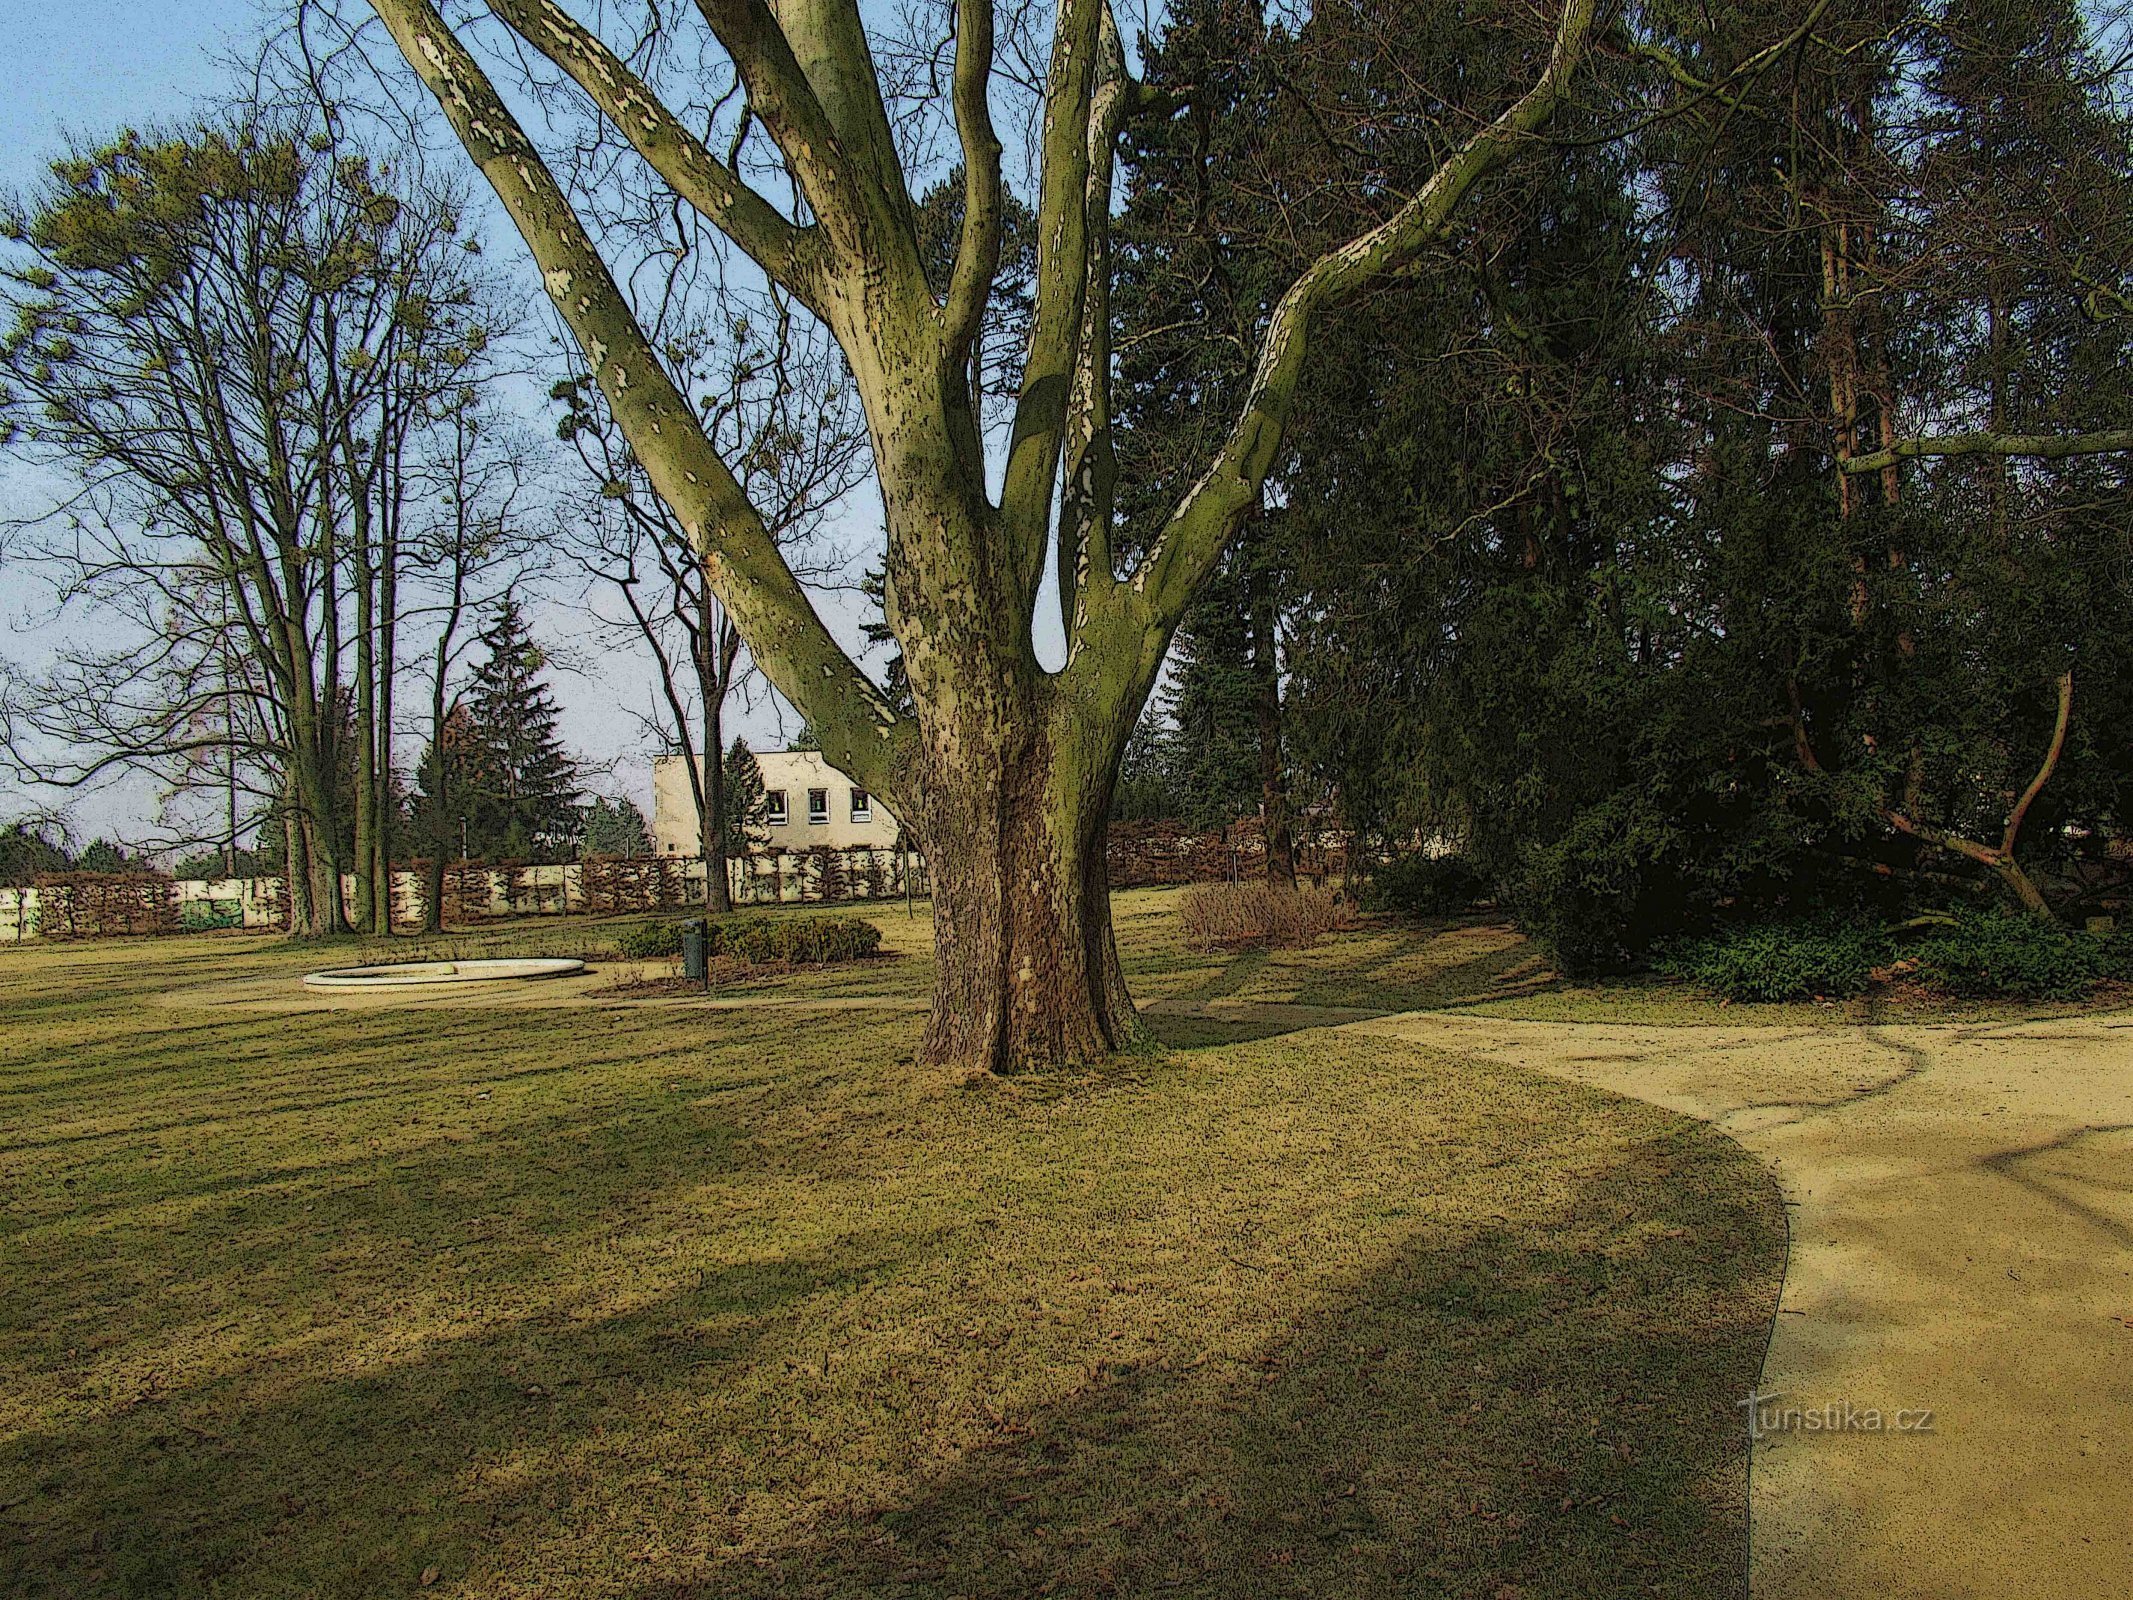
x,y
794,774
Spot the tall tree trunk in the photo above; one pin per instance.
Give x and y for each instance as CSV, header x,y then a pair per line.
x,y
1273,790
382,808
295,865
318,828
713,674
433,889
314,864
366,730
711,815
440,798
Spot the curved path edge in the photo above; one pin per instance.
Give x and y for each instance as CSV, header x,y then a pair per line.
x,y
1951,1371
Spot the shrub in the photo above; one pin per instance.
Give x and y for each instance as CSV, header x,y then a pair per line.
x,y
1419,885
1229,915
2012,957
761,940
806,940
650,941
200,916
1603,894
1781,961
2118,953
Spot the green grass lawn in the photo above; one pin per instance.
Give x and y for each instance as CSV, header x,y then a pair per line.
x,y
640,1299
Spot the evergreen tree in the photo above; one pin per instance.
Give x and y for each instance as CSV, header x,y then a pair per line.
x,y
524,793
457,768
26,850
101,855
747,805
614,828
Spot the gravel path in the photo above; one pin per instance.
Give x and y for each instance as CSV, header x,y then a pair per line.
x,y
1962,1244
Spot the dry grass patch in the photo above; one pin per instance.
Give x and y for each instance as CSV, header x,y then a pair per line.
x,y
632,1301
1235,916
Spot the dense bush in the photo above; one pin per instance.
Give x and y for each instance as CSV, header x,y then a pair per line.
x,y
1780,961
2013,957
650,941
1599,897
761,940
1230,915
810,940
1420,885
2118,953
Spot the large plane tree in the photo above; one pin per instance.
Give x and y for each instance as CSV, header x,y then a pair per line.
x,y
1005,767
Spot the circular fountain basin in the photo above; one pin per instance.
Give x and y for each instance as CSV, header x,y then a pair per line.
x,y
417,974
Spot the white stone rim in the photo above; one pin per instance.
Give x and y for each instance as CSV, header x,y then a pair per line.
x,y
421,974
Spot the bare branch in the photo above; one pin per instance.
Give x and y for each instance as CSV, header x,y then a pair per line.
x,y
860,730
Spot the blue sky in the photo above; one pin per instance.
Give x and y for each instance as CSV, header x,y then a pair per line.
x,y
92,65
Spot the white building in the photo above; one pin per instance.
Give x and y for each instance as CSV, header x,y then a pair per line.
x,y
810,803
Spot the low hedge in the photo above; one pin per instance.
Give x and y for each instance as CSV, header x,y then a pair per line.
x,y
1994,956
650,941
1780,961
761,940
804,940
2014,957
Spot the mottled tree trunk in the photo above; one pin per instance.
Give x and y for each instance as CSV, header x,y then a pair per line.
x,y
1027,970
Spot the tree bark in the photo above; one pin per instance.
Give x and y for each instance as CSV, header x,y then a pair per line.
x,y
1028,973
1273,790
711,814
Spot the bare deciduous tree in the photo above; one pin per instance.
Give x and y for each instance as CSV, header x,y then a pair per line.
x,y
1005,768
775,400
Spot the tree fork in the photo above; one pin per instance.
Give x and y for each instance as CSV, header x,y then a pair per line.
x,y
1006,770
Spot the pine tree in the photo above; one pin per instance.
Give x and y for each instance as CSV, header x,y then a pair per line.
x,y
747,806
614,828
526,796
455,774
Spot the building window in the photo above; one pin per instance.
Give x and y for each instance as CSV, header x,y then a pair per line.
x,y
818,806
774,807
862,806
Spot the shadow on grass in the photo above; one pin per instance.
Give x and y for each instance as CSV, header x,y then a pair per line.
x,y
1541,1407
1486,1420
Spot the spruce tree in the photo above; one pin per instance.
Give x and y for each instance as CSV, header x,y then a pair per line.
x,y
614,828
526,801
747,806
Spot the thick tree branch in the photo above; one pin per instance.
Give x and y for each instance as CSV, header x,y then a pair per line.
x,y
1079,42
1193,540
861,732
2002,859
830,44
811,83
977,250
2044,446
1090,467
2045,769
